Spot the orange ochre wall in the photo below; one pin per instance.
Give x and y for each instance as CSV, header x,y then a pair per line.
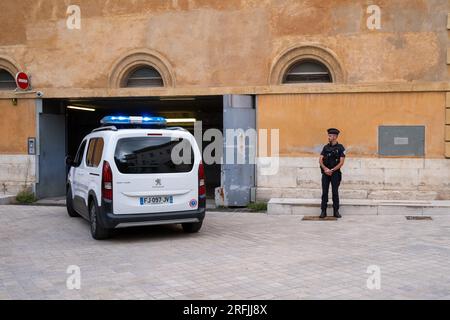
x,y
17,124
303,119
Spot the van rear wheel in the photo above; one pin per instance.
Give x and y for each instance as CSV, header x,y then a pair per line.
x,y
192,227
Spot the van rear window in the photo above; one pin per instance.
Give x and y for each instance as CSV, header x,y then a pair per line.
x,y
153,155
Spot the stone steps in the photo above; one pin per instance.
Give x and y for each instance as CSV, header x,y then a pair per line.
x,y
295,206
265,194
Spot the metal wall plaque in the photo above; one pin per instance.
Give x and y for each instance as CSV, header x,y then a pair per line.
x,y
401,141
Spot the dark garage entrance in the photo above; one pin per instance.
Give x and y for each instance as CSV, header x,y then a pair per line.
x,y
65,122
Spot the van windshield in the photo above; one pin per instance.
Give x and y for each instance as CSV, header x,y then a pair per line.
x,y
139,155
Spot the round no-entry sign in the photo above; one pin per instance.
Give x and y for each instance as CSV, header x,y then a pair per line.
x,y
22,81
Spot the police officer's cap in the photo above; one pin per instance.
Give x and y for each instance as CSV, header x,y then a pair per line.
x,y
333,131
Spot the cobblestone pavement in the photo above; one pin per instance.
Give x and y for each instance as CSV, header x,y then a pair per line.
x,y
235,256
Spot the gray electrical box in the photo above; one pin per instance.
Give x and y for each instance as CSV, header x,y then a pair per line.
x,y
401,141
32,146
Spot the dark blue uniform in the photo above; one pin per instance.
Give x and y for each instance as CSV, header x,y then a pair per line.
x,y
331,158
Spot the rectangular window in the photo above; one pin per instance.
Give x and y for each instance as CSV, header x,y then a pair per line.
x,y
401,141
95,151
142,155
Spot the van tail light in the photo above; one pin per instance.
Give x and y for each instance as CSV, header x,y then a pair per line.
x,y
107,182
201,181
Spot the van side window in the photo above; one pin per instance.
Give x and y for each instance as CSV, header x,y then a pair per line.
x,y
98,152
95,151
79,156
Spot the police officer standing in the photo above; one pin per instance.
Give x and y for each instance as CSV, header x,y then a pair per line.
x,y
331,161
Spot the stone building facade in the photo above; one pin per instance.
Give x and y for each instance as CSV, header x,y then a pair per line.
x,y
377,70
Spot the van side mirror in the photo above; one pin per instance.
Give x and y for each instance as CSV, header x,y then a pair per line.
x,y
69,161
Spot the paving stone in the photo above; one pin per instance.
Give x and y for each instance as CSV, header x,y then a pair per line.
x,y
235,256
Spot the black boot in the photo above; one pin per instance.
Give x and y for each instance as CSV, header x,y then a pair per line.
x,y
323,215
337,215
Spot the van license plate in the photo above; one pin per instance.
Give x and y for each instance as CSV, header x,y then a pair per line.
x,y
155,200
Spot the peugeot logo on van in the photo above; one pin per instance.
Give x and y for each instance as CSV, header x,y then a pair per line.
x,y
158,182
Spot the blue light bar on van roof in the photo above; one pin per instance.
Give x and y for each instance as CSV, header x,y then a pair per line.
x,y
159,121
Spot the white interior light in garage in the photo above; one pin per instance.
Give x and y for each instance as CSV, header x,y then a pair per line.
x,y
177,98
81,108
181,120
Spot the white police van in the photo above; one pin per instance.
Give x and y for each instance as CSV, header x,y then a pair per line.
x,y
135,171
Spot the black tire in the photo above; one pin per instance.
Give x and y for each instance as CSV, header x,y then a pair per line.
x,y
69,204
98,232
192,227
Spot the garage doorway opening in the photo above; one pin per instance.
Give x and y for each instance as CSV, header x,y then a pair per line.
x,y
63,123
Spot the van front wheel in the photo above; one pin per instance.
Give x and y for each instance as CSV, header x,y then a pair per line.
x,y
69,204
97,231
192,227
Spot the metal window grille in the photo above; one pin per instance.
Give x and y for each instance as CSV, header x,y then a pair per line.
x,y
7,81
144,77
308,71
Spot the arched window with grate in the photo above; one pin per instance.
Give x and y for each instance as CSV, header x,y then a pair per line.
x,y
308,71
143,76
7,81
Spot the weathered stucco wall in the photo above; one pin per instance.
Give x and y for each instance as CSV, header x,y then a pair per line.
x,y
303,119
17,124
211,46
223,43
